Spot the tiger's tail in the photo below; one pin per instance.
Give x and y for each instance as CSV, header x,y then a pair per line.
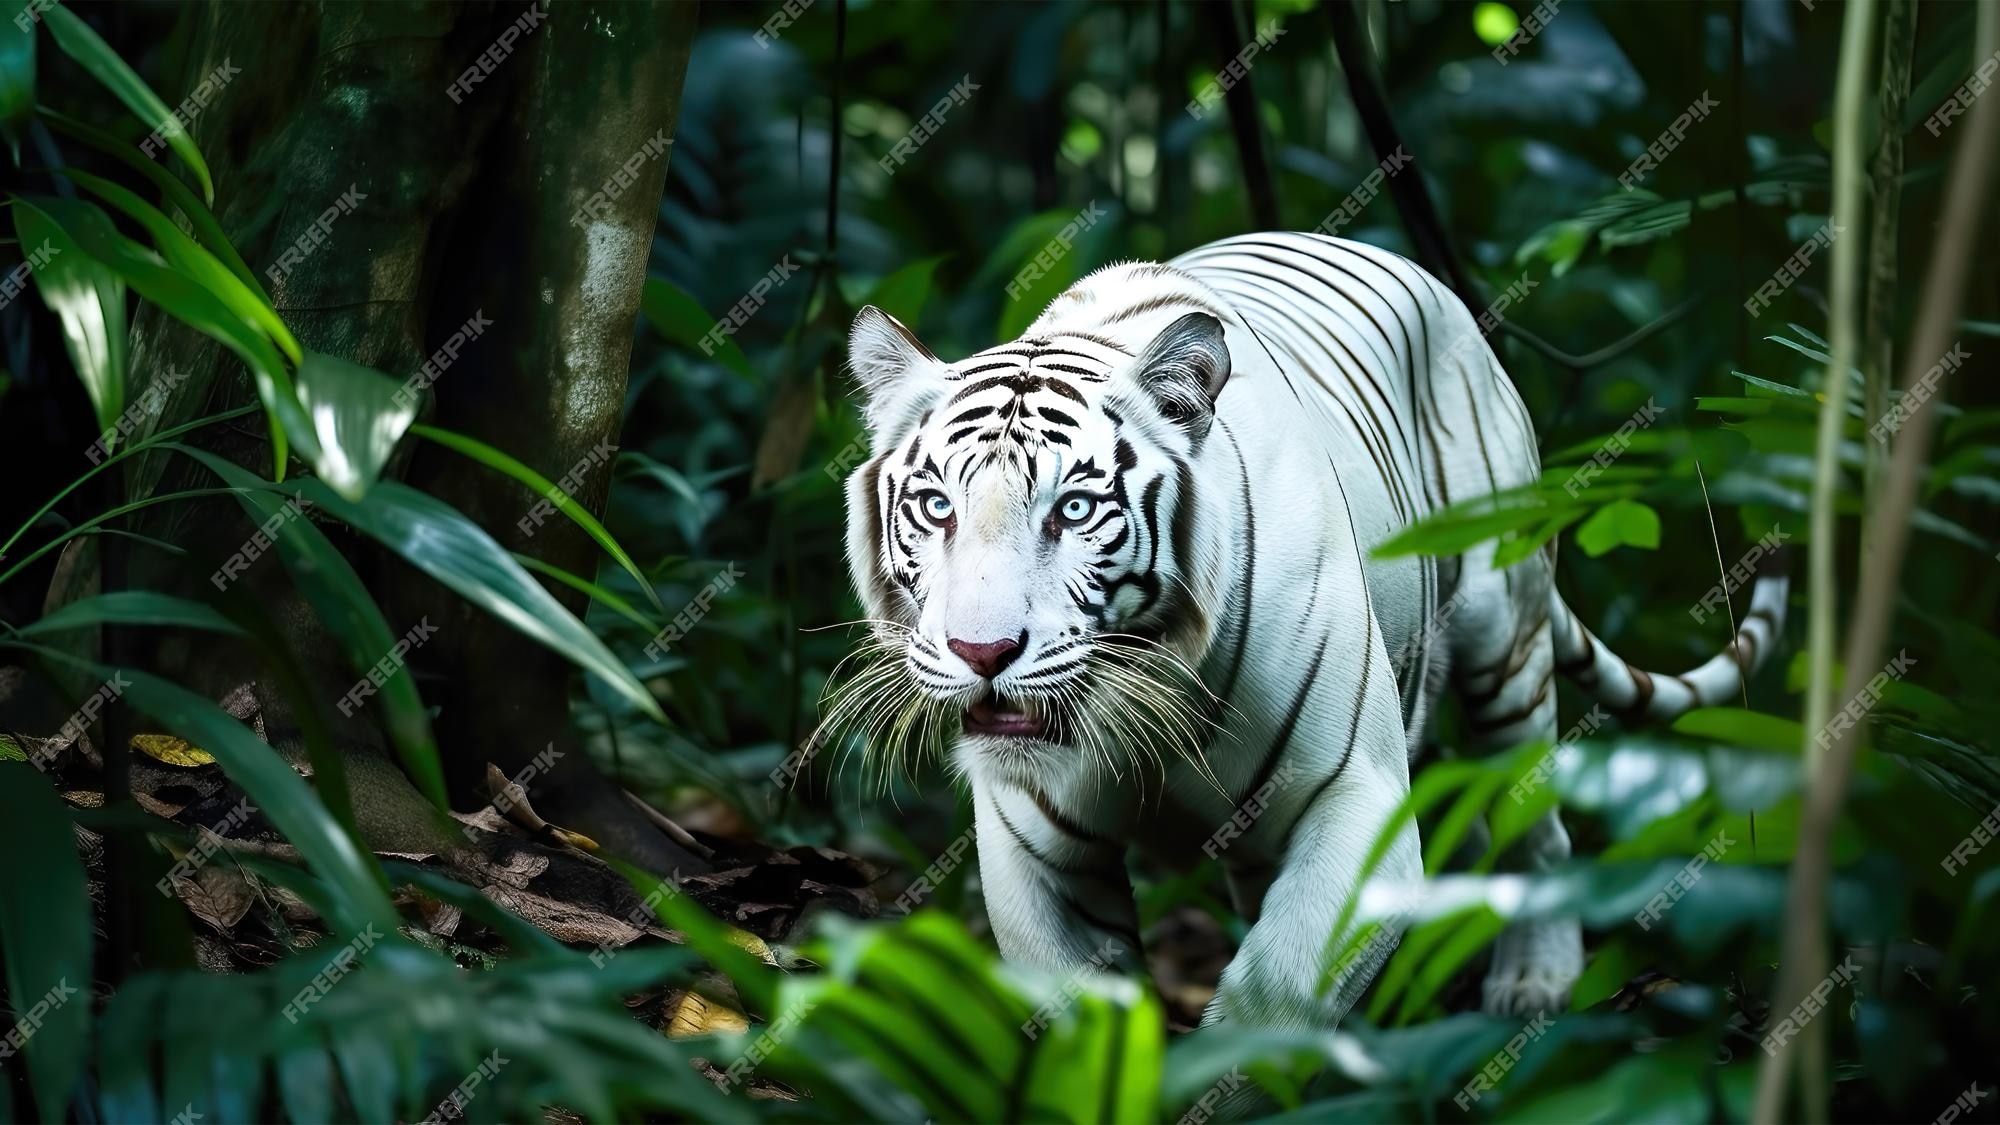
x,y
1634,693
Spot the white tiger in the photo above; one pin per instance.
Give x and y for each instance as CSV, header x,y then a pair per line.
x,y
1181,467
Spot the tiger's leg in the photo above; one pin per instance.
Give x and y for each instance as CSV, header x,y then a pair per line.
x,y
1274,978
1056,895
1352,774
1505,658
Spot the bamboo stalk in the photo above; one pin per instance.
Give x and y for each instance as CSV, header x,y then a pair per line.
x,y
1804,961
1899,33
1939,307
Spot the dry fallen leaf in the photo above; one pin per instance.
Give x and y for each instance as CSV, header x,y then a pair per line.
x,y
217,895
698,1015
173,751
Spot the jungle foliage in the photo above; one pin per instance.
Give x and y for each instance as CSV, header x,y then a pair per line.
x,y
1105,121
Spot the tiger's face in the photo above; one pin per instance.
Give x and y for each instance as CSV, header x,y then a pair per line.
x,y
1021,537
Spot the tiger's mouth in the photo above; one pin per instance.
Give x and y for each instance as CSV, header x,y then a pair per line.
x,y
1006,718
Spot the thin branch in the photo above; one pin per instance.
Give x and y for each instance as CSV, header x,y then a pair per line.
x,y
1413,200
1899,32
1413,203
1608,352
837,129
1822,570
1804,949
1241,97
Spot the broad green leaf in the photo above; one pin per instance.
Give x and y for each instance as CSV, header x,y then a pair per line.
x,y
44,934
1738,727
1001,1043
585,586
1467,937
1647,1088
500,462
1526,543
89,298
1621,523
91,52
1454,530
438,540
358,417
347,611
188,256
1043,255
681,319
185,300
1729,899
127,1090
902,294
207,230
132,607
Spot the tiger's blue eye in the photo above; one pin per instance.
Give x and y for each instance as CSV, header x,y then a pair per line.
x,y
937,506
1076,508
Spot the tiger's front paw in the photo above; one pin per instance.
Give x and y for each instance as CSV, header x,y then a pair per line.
x,y
1534,966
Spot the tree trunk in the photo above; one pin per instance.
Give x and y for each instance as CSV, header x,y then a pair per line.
x,y
466,138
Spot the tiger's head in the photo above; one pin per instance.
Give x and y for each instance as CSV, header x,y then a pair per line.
x,y
1025,542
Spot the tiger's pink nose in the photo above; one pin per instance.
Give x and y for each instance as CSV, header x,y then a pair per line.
x,y
991,658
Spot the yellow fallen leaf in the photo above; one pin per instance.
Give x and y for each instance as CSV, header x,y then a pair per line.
x,y
750,943
174,752
698,1015
573,839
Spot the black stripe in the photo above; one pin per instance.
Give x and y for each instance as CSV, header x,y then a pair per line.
x,y
1062,823
1029,847
1244,613
1108,925
1353,731
1284,734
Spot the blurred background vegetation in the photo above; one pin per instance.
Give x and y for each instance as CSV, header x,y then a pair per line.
x,y
782,162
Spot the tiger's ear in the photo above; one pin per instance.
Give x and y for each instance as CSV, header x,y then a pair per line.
x,y
894,368
1184,369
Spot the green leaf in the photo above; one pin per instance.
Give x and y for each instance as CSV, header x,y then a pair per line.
x,y
17,90
126,1090
44,934
207,230
89,298
358,415
540,485
92,53
902,294
188,256
438,540
1527,542
595,592
132,607
1460,527
1622,523
1738,727
347,611
681,319
180,297
1001,1043
1039,265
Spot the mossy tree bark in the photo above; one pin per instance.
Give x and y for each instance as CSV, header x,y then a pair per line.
x,y
461,204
